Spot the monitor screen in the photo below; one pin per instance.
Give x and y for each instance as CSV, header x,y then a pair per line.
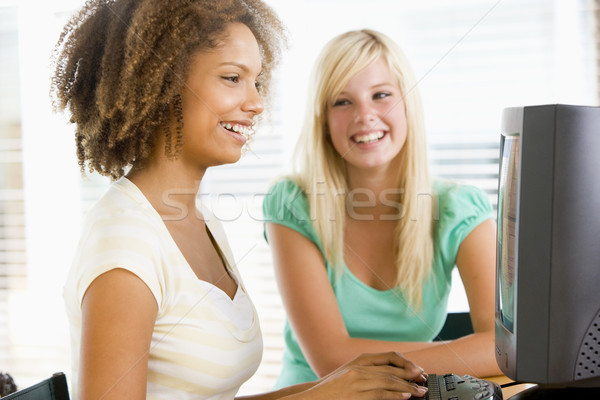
x,y
507,215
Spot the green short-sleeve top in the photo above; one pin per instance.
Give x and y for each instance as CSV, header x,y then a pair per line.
x,y
368,312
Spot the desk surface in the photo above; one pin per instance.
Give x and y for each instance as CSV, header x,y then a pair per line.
x,y
511,390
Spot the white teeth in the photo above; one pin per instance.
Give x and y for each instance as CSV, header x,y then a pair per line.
x,y
241,129
369,138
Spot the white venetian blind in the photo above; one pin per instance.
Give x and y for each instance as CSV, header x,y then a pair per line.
x,y
13,266
473,58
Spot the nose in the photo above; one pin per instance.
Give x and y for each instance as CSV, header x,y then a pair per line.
x,y
363,114
253,102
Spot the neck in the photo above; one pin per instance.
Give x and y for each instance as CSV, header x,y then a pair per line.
x,y
170,188
374,192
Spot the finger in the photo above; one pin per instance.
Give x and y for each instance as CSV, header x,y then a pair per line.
x,y
413,372
399,373
378,380
382,394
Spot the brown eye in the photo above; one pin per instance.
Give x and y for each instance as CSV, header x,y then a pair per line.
x,y
341,102
233,78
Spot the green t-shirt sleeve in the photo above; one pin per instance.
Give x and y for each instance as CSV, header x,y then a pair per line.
x,y
287,205
461,208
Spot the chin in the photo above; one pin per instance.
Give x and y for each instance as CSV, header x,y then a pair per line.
x,y
232,158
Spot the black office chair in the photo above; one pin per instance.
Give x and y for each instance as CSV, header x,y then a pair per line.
x,y
54,388
456,325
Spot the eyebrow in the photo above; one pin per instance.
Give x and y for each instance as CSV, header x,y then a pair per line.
x,y
243,67
378,85
382,84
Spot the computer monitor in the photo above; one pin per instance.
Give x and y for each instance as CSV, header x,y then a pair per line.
x,y
548,246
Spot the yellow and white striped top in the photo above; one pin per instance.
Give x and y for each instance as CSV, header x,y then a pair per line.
x,y
204,344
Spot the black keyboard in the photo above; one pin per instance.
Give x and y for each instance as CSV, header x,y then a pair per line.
x,y
455,387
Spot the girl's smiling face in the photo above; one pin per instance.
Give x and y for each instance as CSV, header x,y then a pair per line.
x,y
367,120
220,99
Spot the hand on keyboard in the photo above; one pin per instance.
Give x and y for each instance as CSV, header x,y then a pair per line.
x,y
455,387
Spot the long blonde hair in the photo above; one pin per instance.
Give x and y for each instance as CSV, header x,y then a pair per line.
x,y
320,170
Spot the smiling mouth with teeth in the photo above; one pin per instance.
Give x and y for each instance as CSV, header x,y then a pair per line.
x,y
369,138
243,130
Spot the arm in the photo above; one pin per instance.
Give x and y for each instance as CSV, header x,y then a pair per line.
x,y
472,354
118,315
311,305
316,320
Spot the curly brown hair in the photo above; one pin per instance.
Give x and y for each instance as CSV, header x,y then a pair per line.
x,y
120,66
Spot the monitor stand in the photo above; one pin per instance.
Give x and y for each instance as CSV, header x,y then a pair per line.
x,y
541,393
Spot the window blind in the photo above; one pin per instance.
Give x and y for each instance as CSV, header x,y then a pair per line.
x,y
13,266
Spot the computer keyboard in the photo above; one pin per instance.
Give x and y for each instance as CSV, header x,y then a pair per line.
x,y
455,387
